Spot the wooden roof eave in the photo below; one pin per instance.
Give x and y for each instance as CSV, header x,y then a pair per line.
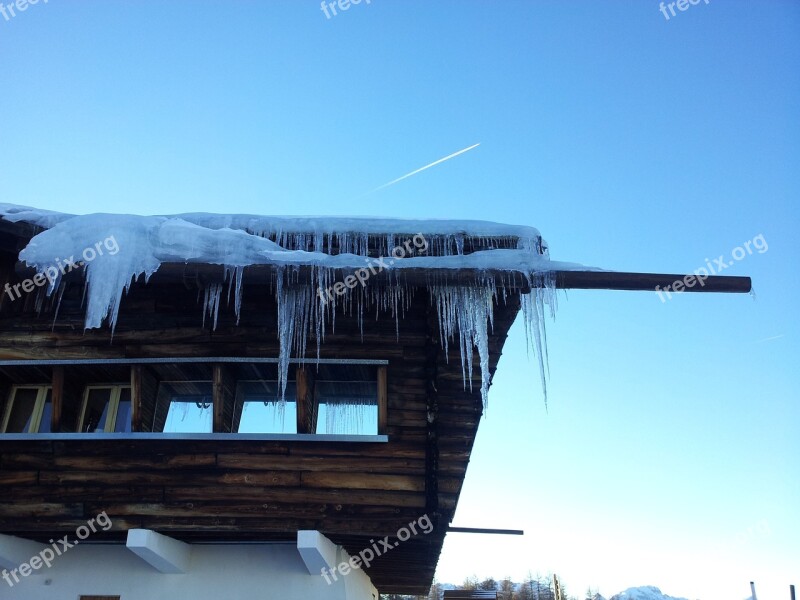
x,y
206,274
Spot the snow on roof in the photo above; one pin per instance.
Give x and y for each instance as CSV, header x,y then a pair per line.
x,y
244,240
136,246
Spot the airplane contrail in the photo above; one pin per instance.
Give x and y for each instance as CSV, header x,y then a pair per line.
x,y
433,164
769,339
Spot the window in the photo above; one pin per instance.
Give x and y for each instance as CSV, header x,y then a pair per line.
x,y
348,399
28,410
260,410
188,406
106,409
336,399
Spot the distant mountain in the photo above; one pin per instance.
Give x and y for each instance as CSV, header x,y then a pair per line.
x,y
647,592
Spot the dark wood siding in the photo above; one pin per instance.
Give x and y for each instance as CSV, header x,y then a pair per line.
x,y
240,490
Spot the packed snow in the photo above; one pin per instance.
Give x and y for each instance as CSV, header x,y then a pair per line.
x,y
326,245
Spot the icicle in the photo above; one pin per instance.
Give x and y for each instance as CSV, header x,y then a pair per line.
x,y
59,294
285,332
295,314
468,311
542,292
346,415
235,275
211,303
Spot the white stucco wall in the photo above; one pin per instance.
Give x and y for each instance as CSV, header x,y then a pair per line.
x,y
264,572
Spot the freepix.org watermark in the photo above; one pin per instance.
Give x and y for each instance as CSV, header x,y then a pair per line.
x,y
682,5
52,272
360,277
700,274
379,548
56,548
10,10
330,7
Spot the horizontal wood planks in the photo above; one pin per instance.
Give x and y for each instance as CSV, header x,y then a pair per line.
x,y
231,490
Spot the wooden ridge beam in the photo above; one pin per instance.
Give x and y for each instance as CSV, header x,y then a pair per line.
x,y
619,280
202,275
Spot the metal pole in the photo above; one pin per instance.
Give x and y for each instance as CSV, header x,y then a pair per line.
x,y
753,591
791,591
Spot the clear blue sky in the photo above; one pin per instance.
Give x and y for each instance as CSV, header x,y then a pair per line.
x,y
670,454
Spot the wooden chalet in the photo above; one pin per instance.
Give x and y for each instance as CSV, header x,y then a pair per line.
x,y
215,481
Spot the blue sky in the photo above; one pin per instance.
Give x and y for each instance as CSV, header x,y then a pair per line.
x,y
670,452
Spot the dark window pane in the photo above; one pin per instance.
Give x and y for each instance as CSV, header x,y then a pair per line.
x,y
97,405
22,405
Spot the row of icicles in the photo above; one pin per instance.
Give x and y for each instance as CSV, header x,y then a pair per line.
x,y
465,313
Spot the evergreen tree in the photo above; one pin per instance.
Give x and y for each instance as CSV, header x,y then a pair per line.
x,y
488,584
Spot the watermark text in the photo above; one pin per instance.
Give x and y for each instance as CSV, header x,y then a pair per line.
x,y
56,548
699,275
360,277
51,273
682,5
343,5
379,548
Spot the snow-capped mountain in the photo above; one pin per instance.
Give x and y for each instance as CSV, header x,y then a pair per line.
x,y
647,592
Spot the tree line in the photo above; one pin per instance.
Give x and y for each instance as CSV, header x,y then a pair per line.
x,y
533,587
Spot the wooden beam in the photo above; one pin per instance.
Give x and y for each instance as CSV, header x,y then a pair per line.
x,y
431,349
613,280
588,280
136,398
480,530
144,389
307,403
203,275
224,394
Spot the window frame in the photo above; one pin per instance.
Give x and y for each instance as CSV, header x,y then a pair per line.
x,y
38,406
146,376
113,405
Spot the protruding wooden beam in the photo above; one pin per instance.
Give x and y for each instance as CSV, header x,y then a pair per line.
x,y
481,530
203,275
649,282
